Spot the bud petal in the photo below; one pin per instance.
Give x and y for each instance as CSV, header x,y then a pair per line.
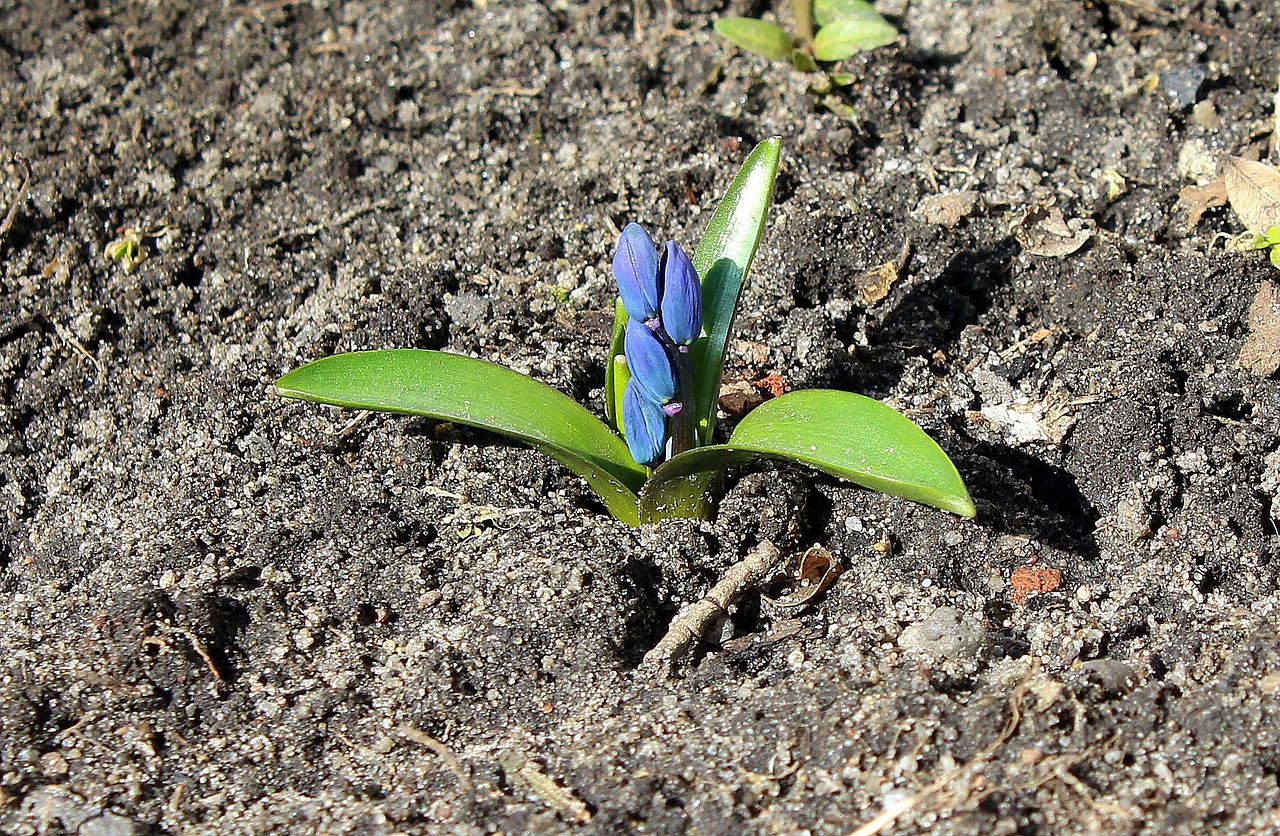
x,y
681,296
650,366
646,425
635,266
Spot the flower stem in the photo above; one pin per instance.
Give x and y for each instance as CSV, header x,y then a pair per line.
x,y
802,11
682,437
682,423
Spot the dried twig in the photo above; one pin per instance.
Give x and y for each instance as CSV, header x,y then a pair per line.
x,y
18,199
446,754
896,811
316,228
193,641
573,809
752,571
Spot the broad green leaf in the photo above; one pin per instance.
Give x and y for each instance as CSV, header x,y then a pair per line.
x,y
448,387
838,40
840,433
1275,256
689,487
826,12
758,36
722,259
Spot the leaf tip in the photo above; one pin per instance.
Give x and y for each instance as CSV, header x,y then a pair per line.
x,y
961,506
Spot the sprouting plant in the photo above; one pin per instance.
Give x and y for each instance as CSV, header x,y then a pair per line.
x,y
671,331
128,250
1269,240
843,27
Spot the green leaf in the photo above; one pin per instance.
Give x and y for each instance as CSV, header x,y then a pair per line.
x,y
618,374
613,385
689,494
758,36
838,40
448,387
840,433
803,61
827,12
1275,256
722,259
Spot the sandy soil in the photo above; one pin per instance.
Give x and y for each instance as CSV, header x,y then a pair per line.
x,y
230,613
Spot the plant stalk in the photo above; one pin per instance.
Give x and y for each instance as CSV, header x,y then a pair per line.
x,y
682,435
802,11
682,423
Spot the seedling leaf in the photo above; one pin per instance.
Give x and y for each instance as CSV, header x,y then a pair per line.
x,y
827,12
722,259
803,61
842,38
613,383
758,36
464,390
840,433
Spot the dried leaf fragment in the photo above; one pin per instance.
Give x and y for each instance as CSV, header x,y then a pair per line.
x,y
1044,231
738,397
1254,192
1260,353
1025,423
816,572
874,284
1200,199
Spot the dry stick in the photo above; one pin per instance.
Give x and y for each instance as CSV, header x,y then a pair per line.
x,y
568,805
896,811
445,753
749,573
316,228
18,200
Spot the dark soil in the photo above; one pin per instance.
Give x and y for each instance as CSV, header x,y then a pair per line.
x,y
227,612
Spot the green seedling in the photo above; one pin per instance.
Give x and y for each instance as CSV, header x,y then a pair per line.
x,y
128,250
1269,240
825,30
654,457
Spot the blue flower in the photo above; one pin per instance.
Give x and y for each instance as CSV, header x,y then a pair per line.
x,y
635,266
681,296
645,424
649,362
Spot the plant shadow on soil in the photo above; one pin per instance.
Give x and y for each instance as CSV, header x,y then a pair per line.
x,y
1018,493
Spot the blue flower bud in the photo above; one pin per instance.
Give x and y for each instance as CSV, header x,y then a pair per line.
x,y
650,366
646,425
635,266
681,296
